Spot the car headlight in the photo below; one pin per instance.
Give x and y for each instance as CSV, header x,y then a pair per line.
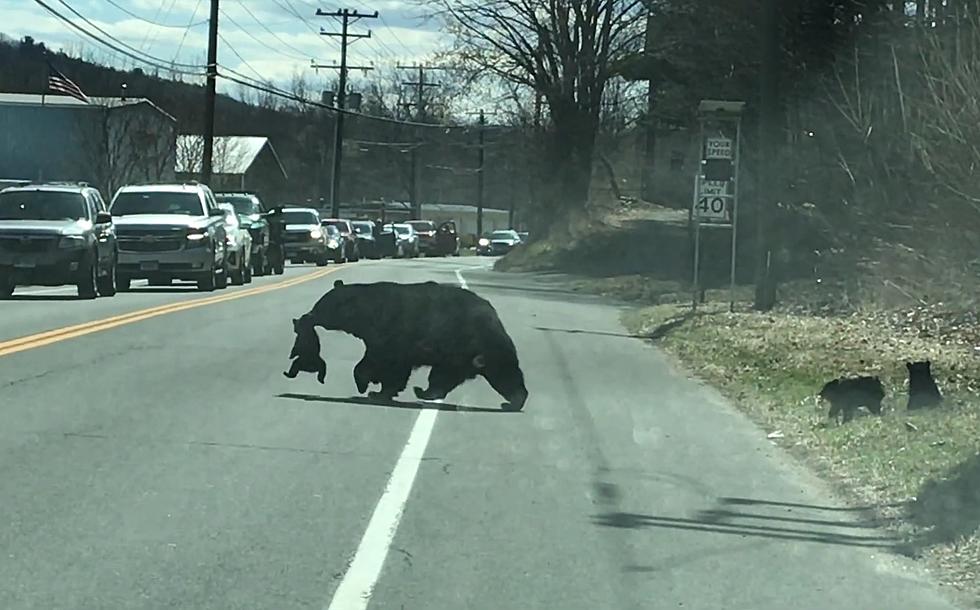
x,y
316,233
254,217
484,242
333,243
71,241
196,237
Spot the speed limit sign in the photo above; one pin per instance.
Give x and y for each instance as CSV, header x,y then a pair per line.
x,y
714,201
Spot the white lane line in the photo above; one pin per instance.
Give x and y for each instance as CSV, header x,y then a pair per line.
x,y
354,592
460,279
357,585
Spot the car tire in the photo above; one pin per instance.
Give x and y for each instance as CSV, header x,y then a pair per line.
x,y
88,283
123,283
207,282
322,260
221,278
258,264
6,288
107,283
237,276
248,273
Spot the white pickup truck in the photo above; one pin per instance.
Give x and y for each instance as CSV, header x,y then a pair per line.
x,y
170,231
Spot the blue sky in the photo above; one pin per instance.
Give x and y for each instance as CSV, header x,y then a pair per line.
x,y
275,39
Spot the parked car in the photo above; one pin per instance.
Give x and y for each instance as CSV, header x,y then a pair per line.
x,y
447,239
238,243
349,236
385,240
406,241
304,238
426,231
57,234
498,242
170,231
336,245
364,233
251,215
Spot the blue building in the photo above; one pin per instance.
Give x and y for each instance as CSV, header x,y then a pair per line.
x,y
107,143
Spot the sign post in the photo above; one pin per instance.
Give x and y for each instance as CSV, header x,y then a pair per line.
x,y
716,182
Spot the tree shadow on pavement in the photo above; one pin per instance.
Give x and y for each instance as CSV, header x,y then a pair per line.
x,y
601,333
393,404
947,509
806,524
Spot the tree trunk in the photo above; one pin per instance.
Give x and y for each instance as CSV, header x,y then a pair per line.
x,y
769,124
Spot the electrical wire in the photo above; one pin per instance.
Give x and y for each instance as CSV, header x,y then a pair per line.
x,y
122,51
272,90
156,23
266,28
183,38
262,42
116,40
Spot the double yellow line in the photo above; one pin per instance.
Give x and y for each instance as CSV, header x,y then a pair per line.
x,y
70,332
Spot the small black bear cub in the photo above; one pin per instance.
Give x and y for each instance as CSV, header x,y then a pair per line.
x,y
923,391
306,351
846,395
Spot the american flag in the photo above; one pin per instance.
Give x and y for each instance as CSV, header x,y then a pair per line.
x,y
62,84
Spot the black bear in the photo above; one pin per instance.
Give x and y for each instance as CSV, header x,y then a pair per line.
x,y
846,395
923,391
306,351
407,326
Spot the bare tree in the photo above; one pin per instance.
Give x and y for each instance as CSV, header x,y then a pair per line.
x,y
565,50
228,153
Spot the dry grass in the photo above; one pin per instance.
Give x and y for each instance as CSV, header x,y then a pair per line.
x,y
918,467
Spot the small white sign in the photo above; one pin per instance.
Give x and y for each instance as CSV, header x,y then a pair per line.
x,y
715,188
718,148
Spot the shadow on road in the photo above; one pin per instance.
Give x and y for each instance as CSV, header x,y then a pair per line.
x,y
44,297
783,521
948,509
393,404
601,333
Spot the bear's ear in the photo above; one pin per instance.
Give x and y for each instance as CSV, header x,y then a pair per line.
x,y
338,283
295,321
928,363
908,365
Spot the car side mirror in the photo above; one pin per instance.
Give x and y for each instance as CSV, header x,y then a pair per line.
x,y
103,218
216,213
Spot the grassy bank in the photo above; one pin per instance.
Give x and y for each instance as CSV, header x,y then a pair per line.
x,y
920,469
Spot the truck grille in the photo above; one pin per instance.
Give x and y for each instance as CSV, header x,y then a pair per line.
x,y
156,244
296,237
27,244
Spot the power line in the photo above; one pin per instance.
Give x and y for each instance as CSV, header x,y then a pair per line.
x,y
144,45
261,42
183,38
156,23
271,33
272,90
239,56
116,40
289,8
122,51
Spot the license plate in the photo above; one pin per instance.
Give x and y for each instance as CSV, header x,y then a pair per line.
x,y
149,266
25,265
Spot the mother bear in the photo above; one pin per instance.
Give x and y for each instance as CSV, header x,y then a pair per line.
x,y
406,326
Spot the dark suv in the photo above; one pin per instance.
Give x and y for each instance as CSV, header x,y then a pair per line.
x,y
56,234
251,212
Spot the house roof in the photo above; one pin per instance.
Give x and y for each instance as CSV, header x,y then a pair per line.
x,y
233,154
65,101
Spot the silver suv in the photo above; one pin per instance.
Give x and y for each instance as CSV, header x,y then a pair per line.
x,y
55,234
170,231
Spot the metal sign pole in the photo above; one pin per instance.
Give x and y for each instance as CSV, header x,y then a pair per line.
x,y
738,156
697,245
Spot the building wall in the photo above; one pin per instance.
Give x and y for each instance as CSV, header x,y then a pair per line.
x,y
104,147
45,143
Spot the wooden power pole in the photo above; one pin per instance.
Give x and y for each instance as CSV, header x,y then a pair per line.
x,y
207,158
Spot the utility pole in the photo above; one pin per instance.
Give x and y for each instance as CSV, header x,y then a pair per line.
x,y
207,158
347,17
769,126
479,177
420,86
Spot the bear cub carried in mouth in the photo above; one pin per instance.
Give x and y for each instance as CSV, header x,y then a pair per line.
x,y
306,351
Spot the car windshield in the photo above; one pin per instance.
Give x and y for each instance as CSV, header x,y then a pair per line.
x,y
504,235
157,202
423,225
362,228
42,205
300,217
332,231
340,224
403,229
231,218
244,205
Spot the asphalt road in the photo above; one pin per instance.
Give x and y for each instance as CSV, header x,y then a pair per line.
x,y
161,460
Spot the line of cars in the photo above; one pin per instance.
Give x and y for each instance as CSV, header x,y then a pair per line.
x,y
56,234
